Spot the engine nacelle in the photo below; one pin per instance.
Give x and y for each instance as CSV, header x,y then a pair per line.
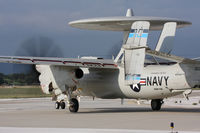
x,y
54,78
78,73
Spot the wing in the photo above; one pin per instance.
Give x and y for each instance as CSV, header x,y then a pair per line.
x,y
71,62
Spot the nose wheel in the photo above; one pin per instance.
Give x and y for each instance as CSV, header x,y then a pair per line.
x,y
74,105
156,104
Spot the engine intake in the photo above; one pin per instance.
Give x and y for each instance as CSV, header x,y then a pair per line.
x,y
79,73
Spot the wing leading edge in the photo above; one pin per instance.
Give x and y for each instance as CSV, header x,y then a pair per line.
x,y
71,62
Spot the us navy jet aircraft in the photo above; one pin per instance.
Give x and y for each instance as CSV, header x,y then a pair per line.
x,y
130,75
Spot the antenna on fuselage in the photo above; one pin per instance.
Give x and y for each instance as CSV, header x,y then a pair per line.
x,y
129,13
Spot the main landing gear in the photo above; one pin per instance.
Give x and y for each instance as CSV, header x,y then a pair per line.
x,y
59,105
73,105
156,104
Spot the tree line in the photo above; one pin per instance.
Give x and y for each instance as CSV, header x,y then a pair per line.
x,y
19,79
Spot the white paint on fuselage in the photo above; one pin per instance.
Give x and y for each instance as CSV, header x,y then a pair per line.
x,y
110,83
163,79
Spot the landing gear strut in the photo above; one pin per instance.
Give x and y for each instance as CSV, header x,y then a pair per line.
x,y
156,104
72,101
68,95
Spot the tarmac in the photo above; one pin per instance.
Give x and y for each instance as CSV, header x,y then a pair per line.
x,y
39,114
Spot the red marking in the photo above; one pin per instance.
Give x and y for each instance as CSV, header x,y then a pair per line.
x,y
21,58
76,82
33,60
91,63
142,81
47,60
111,64
64,62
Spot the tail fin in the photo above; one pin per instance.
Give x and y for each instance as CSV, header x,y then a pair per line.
x,y
134,52
129,13
165,43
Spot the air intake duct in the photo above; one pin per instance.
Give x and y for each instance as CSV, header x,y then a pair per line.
x,y
79,73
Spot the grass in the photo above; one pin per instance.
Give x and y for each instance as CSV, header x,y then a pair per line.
x,y
21,92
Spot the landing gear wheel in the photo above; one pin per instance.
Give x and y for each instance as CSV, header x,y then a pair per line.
x,y
74,105
57,105
62,105
156,104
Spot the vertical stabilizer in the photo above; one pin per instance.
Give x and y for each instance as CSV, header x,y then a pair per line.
x,y
134,52
165,43
129,13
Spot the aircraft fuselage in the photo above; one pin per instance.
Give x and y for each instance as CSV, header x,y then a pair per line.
x,y
156,82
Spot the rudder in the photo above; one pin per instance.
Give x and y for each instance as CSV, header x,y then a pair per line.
x,y
134,53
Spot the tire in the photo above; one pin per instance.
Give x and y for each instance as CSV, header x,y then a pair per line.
x,y
62,105
74,105
156,104
57,105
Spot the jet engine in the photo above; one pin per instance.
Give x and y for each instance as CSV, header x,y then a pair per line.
x,y
79,73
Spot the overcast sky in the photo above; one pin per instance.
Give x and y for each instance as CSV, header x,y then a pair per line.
x,y
24,22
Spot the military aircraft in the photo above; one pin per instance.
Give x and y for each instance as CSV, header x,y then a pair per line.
x,y
137,72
